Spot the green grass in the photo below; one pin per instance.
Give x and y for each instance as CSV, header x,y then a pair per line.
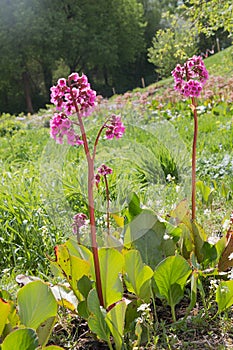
x,y
221,63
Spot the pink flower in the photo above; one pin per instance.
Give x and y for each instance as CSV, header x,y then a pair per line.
x,y
192,88
115,128
103,170
75,91
61,126
97,179
79,220
191,77
61,82
73,77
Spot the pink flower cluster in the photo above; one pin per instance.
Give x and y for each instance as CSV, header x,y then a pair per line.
x,y
73,93
61,126
191,77
79,220
115,128
103,170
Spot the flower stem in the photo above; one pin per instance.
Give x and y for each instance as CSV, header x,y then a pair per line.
x,y
194,109
93,230
90,163
78,236
108,202
97,140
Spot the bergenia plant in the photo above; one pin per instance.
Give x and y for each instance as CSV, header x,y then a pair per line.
x,y
189,81
74,96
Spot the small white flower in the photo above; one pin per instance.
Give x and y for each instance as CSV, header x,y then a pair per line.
x,y
143,307
170,178
166,237
213,284
213,239
207,211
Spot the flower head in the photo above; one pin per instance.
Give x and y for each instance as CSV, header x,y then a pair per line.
x,y
79,220
190,78
103,170
73,93
115,128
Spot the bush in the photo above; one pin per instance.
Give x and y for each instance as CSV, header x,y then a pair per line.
x,y
9,126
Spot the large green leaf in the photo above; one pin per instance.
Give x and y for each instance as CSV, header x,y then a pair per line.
x,y
146,234
111,265
45,329
73,267
137,275
4,312
224,295
21,339
81,252
181,212
170,278
36,304
199,237
186,241
210,253
115,320
139,226
84,286
96,320
220,247
134,208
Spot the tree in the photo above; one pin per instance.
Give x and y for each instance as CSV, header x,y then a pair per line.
x,y
210,15
27,37
98,38
103,36
173,44
152,16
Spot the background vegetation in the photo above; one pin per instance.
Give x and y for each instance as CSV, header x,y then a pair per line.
x,y
107,40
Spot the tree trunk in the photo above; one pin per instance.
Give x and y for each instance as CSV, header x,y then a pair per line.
x,y
105,75
48,77
27,91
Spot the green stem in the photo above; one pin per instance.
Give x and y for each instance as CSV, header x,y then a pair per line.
x,y
110,345
173,313
194,108
91,180
154,306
